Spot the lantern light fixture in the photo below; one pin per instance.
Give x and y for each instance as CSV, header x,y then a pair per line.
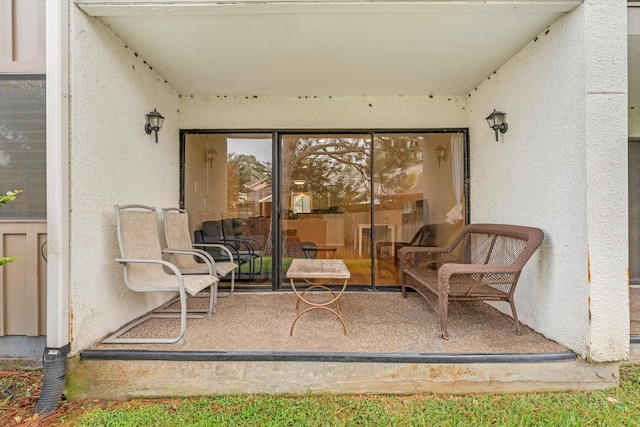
x,y
212,155
154,123
441,153
496,122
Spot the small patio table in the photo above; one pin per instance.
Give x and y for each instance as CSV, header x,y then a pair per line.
x,y
310,270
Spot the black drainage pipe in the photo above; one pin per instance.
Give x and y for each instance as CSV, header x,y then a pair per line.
x,y
55,370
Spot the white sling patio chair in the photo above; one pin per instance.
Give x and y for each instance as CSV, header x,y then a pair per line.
x,y
176,230
144,271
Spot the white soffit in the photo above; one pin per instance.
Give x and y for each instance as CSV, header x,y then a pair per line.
x,y
331,48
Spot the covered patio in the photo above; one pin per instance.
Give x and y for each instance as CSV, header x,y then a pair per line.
x,y
574,291
392,345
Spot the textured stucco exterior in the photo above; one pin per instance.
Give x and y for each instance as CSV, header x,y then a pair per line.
x,y
562,166
365,112
112,161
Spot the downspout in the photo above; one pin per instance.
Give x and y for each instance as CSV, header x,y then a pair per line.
x,y
58,343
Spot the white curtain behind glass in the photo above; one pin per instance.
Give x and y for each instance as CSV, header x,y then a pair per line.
x,y
457,166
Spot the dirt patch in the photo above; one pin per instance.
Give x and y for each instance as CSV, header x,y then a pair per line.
x,y
19,394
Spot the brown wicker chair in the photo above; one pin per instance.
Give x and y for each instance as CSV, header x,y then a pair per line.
x,y
483,262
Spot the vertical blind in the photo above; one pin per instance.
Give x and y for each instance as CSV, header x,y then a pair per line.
x,y
23,145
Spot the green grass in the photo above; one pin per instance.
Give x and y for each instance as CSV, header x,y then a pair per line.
x,y
619,407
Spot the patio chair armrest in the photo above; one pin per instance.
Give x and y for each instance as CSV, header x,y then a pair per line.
x,y
422,257
422,249
167,264
251,239
208,259
248,247
228,246
214,245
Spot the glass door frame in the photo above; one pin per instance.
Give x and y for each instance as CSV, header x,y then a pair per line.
x,y
278,281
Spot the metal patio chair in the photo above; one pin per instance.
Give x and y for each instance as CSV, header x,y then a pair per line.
x,y
211,233
244,245
176,229
144,271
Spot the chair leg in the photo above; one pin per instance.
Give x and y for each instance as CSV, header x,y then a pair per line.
x,y
515,317
115,337
233,279
443,312
191,313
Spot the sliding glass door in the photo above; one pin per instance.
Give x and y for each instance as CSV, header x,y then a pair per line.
x,y
418,194
359,197
326,192
227,192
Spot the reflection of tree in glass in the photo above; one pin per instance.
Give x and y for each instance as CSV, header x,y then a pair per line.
x,y
243,170
395,156
334,170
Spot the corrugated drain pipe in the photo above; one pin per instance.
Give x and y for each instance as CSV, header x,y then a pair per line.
x,y
55,371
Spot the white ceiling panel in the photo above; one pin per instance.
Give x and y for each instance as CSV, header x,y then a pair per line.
x,y
309,48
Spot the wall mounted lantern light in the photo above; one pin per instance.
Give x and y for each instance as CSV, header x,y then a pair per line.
x,y
497,123
212,155
154,123
441,153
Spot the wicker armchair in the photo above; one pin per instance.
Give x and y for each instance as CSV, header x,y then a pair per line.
x,y
483,262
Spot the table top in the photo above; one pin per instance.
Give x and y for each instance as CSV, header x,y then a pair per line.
x,y
318,269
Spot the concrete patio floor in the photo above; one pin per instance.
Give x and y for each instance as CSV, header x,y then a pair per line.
x,y
376,322
392,346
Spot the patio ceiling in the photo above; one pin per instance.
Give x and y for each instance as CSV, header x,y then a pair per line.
x,y
332,48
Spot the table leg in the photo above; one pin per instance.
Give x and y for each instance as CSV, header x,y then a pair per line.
x,y
322,306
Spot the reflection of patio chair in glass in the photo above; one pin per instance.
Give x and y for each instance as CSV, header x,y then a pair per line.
x,y
380,232
244,245
141,258
212,233
176,228
423,237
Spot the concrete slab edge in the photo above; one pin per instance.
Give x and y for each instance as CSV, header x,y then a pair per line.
x,y
122,379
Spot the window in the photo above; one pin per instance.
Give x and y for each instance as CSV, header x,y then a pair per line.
x,y
23,145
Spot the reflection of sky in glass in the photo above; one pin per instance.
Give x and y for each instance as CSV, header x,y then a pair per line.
x,y
261,148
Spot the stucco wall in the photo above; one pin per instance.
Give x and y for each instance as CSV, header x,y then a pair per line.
x,y
551,171
113,161
354,112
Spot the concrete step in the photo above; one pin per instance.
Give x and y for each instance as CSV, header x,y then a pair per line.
x,y
96,374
